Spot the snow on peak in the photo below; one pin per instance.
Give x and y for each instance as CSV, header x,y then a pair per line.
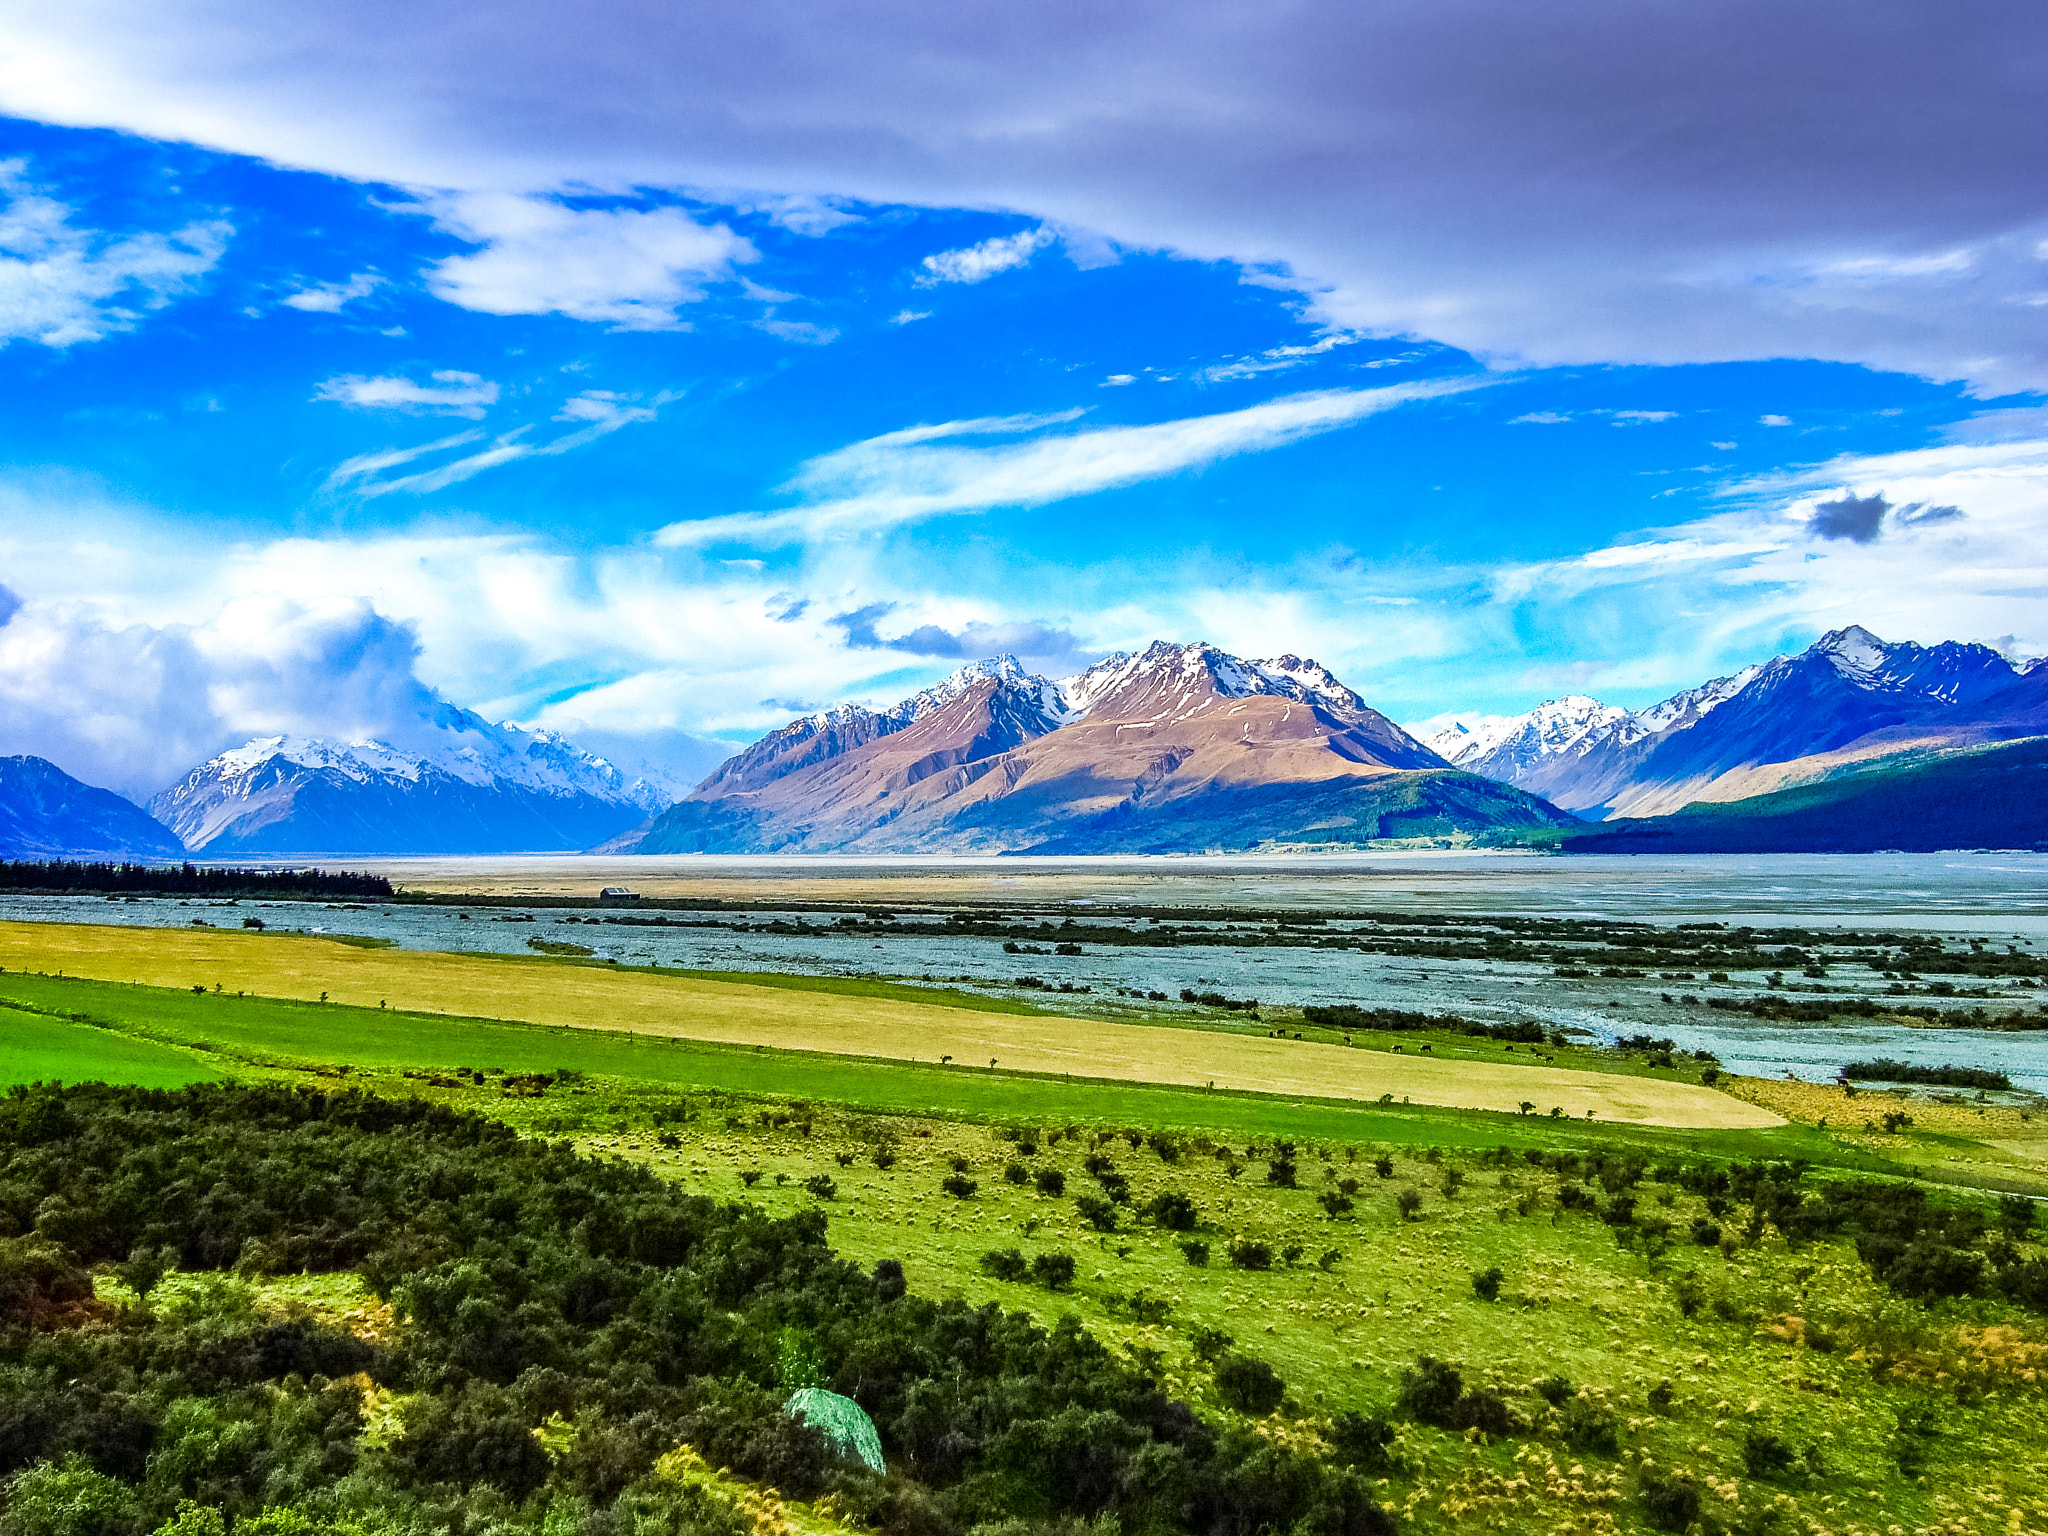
x,y
1855,652
1693,704
1293,677
1551,728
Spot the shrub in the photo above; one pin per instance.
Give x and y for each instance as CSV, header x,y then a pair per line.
x,y
1452,1178
1016,1173
1361,1441
1173,1211
1335,1203
1209,1344
1589,1427
1249,1385
1246,1254
821,1185
883,1158
1049,1181
1764,1454
1280,1172
1555,1390
1004,1264
1054,1271
1097,1212
1196,1252
1430,1391
1486,1284
1383,1165
959,1186
1408,1203
68,1498
1690,1291
1669,1503
1705,1233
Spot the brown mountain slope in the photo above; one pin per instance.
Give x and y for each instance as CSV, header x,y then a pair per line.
x,y
1182,748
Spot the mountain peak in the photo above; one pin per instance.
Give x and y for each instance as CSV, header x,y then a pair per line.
x,y
1854,651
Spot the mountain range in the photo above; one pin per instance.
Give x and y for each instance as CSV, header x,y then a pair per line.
x,y
460,784
1177,748
1847,702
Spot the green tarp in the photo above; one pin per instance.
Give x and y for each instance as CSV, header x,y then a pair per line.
x,y
843,1421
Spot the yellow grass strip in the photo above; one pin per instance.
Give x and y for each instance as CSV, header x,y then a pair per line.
x,y
589,997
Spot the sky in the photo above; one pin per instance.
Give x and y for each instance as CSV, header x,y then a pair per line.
x,y
663,377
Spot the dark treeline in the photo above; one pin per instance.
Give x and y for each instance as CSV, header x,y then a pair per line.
x,y
190,880
1885,1070
535,1289
1351,1016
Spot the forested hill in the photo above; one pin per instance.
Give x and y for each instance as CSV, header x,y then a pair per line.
x,y
536,1288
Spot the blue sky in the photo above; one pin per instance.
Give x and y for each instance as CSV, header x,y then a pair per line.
x,y
297,431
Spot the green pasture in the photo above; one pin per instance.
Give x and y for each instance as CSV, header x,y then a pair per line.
x,y
114,1030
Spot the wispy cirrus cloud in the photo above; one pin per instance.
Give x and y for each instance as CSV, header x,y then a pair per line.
x,y
595,413
928,471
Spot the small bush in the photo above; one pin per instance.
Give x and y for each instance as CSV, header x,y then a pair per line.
x,y
1245,1254
1383,1165
1054,1271
1016,1173
1431,1390
1486,1284
1249,1385
1196,1251
821,1185
1690,1292
1209,1344
1174,1211
1097,1212
1005,1264
1335,1203
1408,1203
1049,1181
1589,1427
959,1186
1360,1441
1555,1390
1705,1232
883,1159
1765,1455
1669,1503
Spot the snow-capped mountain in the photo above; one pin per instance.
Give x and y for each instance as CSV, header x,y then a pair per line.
x,y
1179,747
1846,700
456,784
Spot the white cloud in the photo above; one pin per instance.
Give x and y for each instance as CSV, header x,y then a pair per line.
x,y
1640,418
453,393
924,471
1774,421
906,316
977,263
1540,419
328,298
61,285
599,413
629,268
132,705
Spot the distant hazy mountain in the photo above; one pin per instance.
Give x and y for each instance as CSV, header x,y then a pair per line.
x,y
1971,797
1183,747
1848,700
45,813
464,785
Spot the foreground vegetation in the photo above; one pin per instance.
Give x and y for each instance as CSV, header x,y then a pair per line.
x,y
504,1278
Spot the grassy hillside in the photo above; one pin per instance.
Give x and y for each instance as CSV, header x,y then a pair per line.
x,y
1989,797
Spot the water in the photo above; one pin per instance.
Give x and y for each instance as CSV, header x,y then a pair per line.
x,y
1994,895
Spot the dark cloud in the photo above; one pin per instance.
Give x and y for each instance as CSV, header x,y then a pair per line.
x,y
1859,519
971,642
1588,180
1918,513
